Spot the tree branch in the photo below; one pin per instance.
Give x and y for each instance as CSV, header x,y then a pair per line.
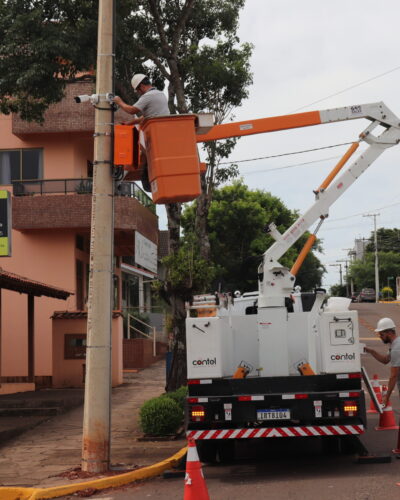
x,y
181,24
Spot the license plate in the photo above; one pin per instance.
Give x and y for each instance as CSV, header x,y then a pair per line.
x,y
279,414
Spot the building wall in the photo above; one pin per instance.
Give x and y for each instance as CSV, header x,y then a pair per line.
x,y
44,241
69,372
34,257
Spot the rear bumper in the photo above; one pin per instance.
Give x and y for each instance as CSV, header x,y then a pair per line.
x,y
277,432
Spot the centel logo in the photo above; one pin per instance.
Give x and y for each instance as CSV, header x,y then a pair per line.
x,y
343,357
204,362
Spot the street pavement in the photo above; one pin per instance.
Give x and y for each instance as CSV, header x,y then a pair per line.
x,y
299,470
53,448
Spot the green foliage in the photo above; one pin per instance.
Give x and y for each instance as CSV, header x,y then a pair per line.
x,y
187,272
237,220
160,416
179,396
387,292
388,240
43,45
338,291
363,271
46,43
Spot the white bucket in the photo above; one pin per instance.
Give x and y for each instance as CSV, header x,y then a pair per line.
x,y
337,304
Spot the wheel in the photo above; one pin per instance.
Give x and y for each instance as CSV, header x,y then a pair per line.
x,y
207,451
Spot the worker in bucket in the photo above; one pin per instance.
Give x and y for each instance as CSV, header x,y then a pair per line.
x,y
151,102
386,329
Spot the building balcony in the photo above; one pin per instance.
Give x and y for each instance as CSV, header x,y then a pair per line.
x,y
66,115
67,204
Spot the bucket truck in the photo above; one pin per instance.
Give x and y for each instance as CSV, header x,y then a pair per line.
x,y
299,358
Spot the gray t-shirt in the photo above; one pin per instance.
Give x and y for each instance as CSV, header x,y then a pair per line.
x,y
153,103
394,354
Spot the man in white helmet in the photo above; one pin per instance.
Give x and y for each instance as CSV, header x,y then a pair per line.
x,y
151,102
386,330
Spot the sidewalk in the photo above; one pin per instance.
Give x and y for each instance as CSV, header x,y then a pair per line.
x,y
38,456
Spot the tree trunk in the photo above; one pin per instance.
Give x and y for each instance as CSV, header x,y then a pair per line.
x,y
177,374
201,229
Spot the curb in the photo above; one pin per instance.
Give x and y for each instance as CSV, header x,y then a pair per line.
x,y
97,484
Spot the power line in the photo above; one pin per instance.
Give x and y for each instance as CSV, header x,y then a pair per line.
x,y
362,213
287,154
291,165
349,88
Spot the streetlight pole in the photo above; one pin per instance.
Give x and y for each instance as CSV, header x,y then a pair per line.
x,y
376,257
96,419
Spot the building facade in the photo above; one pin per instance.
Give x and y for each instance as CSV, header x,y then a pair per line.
x,y
48,169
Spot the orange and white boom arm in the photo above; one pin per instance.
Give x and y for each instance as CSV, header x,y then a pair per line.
x,y
276,282
376,111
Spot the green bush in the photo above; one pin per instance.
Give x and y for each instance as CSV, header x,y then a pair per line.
x,y
179,396
160,416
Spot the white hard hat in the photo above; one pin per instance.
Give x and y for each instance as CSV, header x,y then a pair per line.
x,y
137,80
385,324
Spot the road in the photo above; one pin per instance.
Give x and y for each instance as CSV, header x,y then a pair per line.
x,y
300,470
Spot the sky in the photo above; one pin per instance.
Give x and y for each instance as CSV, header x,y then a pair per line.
x,y
305,52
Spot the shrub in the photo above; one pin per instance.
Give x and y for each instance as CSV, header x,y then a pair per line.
x,y
387,292
179,396
160,416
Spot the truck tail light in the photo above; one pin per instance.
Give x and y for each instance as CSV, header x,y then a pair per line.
x,y
350,408
197,413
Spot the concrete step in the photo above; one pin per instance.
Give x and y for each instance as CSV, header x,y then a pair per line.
x,y
36,411
37,403
11,427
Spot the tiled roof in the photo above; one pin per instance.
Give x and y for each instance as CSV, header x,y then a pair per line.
x,y
78,314
17,283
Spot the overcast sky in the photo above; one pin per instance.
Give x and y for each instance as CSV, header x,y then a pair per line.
x,y
304,52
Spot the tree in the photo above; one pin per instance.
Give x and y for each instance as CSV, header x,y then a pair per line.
x,y
190,44
388,240
363,271
237,220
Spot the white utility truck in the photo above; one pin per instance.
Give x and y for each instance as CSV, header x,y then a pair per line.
x,y
298,355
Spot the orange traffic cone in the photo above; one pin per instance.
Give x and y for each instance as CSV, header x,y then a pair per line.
x,y
396,450
386,419
195,486
378,393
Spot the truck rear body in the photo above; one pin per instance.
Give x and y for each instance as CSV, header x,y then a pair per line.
x,y
262,407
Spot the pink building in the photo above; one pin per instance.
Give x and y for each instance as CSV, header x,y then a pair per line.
x,y
48,170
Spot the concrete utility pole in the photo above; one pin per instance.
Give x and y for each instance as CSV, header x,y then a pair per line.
x,y
340,271
376,257
96,420
352,254
346,274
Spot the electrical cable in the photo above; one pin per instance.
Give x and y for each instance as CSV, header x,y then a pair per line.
x,y
291,165
287,154
348,88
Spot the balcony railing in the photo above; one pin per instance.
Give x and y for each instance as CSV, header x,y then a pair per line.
x,y
79,186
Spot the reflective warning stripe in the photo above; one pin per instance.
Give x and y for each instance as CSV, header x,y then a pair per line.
x,y
264,432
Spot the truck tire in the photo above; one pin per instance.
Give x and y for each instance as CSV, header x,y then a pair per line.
x,y
207,451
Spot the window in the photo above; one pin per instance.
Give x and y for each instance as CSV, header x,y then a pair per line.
x,y
75,346
20,165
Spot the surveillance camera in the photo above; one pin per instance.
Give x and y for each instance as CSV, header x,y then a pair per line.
x,y
82,98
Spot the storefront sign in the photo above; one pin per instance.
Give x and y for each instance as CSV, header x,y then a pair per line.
x,y
5,223
145,253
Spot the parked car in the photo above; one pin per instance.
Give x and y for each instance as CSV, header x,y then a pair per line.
x,y
354,297
367,295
